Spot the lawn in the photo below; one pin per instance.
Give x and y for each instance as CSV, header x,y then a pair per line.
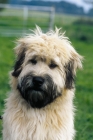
x,y
81,36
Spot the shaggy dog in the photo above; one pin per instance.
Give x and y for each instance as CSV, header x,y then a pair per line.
x,y
40,106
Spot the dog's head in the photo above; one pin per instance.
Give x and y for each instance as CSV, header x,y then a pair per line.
x,y
46,65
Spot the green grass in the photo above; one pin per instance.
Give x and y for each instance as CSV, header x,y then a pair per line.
x,y
81,38
6,63
84,94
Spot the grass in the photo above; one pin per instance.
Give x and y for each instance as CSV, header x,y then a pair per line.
x,y
84,97
81,38
6,62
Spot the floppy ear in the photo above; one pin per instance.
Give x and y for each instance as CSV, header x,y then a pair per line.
x,y
20,52
70,69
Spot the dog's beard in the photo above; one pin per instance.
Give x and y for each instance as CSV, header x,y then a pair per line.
x,y
38,91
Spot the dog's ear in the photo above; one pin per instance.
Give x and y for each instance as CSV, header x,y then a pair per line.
x,y
74,63
20,56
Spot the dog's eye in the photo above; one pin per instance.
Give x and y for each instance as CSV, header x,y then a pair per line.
x,y
53,65
33,61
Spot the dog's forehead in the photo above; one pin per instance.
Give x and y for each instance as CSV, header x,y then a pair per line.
x,y
49,46
45,57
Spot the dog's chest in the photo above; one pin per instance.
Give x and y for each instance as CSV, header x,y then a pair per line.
x,y
38,126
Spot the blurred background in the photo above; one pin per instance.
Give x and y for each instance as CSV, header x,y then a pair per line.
x,y
18,17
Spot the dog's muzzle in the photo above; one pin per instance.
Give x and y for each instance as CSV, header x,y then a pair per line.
x,y
38,91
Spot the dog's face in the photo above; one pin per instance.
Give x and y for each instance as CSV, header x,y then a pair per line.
x,y
46,65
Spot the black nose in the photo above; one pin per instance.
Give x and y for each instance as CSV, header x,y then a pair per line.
x,y
38,81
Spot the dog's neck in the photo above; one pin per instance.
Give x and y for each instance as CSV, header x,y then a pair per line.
x,y
55,106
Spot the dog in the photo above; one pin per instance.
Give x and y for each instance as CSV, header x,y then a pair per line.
x,y
40,105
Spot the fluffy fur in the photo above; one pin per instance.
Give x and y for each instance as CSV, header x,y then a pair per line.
x,y
40,105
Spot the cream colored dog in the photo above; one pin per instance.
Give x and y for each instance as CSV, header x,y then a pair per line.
x,y
40,105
